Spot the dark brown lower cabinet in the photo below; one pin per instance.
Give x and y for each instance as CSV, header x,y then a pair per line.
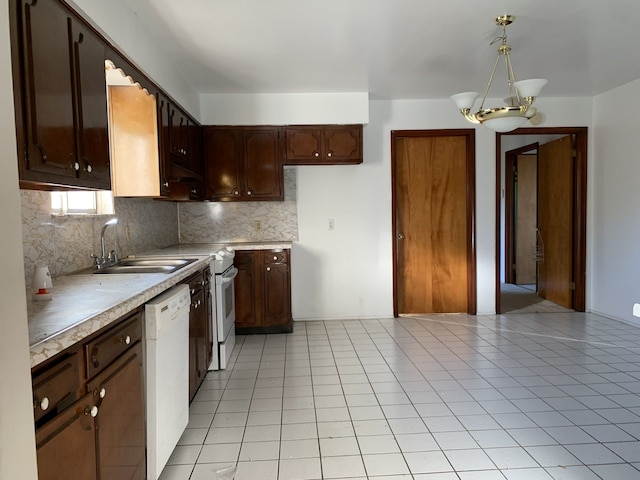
x,y
89,407
200,334
263,291
66,446
120,425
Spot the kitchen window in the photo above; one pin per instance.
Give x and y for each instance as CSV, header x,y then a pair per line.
x,y
82,203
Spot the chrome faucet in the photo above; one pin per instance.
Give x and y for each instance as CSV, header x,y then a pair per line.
x,y
105,260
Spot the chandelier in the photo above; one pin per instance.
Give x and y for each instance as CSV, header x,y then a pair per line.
x,y
521,95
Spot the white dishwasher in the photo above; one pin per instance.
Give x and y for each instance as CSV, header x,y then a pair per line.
x,y
167,374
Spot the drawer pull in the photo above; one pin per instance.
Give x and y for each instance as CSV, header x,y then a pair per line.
x,y
44,403
275,257
93,411
126,340
100,393
268,269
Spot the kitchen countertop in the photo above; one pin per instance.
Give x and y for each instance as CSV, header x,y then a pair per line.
x,y
84,303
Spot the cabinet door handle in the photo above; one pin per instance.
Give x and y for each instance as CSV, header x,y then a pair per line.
x,y
76,166
329,154
275,257
268,269
249,192
44,403
165,184
401,236
126,340
93,411
88,168
316,154
236,192
100,393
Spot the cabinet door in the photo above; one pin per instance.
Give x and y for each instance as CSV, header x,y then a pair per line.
x,y
91,106
246,290
50,154
303,145
222,163
66,446
262,167
276,304
195,148
343,144
164,146
118,392
178,136
197,339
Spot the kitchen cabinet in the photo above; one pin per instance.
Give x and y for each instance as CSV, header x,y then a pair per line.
x,y
60,97
243,163
89,407
200,334
323,144
263,291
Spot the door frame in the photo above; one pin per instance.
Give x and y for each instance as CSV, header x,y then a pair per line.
x,y
470,136
580,206
509,209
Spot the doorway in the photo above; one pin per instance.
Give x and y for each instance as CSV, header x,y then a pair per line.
x,y
554,241
433,209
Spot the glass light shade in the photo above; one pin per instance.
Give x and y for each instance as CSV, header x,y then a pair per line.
x,y
464,100
530,87
505,124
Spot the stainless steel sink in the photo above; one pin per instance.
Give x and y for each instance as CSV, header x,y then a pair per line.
x,y
143,265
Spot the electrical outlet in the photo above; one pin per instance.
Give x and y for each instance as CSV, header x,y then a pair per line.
x,y
258,225
127,233
332,224
636,309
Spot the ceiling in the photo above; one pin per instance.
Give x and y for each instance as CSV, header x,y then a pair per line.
x,y
394,48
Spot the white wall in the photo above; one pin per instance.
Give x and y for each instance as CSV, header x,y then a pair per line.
x,y
347,272
17,441
616,234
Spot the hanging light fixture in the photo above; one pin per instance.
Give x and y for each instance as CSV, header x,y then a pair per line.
x,y
521,95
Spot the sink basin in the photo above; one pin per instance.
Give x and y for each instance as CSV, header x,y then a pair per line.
x,y
143,265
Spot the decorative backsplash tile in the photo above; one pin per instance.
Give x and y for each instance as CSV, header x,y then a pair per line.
x,y
220,222
66,243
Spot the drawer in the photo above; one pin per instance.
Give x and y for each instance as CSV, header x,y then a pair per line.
x,y
111,344
57,387
195,282
275,256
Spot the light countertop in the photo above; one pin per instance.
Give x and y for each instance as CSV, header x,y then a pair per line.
x,y
84,303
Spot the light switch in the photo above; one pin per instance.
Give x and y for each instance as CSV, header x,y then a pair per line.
x,y
332,224
636,309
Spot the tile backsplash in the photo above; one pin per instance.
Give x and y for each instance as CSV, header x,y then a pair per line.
x,y
65,243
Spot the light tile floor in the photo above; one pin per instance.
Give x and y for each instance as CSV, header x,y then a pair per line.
x,y
440,397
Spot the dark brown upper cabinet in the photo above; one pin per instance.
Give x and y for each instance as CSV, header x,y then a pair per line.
x,y
61,97
243,163
323,144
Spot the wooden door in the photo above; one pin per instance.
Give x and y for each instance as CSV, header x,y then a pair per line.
x,y
276,304
48,93
222,150
433,201
555,220
525,211
91,97
245,285
262,166
120,423
66,446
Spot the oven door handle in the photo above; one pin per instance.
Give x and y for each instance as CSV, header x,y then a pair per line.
x,y
229,275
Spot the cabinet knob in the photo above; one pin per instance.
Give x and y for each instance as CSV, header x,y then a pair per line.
x,y
268,269
165,184
44,404
249,192
76,166
329,154
126,340
89,168
401,236
93,411
102,393
193,190
236,192
275,257
316,154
